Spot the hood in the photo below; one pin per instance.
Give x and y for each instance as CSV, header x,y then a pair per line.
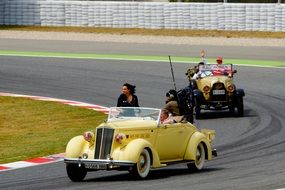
x,y
132,124
211,80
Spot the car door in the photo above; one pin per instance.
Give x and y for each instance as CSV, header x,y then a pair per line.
x,y
172,140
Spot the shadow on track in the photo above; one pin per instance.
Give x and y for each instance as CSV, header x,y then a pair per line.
x,y
218,114
153,175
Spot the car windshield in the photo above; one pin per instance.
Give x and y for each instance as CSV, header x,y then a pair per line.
x,y
216,70
134,113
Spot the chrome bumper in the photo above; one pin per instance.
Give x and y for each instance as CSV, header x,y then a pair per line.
x,y
98,163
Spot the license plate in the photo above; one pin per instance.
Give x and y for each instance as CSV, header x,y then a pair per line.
x,y
95,166
219,92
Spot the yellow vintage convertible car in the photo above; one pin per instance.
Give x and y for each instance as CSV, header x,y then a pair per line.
x,y
133,139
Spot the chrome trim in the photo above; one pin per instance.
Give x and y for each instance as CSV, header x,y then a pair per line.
x,y
98,161
103,143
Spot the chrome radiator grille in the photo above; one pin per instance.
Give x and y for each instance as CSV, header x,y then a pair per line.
x,y
220,97
104,139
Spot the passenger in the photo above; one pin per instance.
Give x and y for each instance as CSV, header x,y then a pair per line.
x,y
165,118
191,72
172,103
198,73
222,71
128,97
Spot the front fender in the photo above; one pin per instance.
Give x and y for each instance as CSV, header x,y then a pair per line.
x,y
132,152
240,92
76,147
197,93
195,139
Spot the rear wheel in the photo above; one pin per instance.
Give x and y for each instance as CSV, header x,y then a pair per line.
x,y
197,108
142,167
198,163
76,173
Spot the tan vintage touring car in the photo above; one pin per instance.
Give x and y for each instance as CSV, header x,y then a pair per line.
x,y
214,89
133,139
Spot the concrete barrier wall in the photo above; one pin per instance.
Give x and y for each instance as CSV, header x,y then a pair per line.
x,y
155,15
1,12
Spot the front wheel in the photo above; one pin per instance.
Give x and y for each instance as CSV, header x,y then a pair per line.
x,y
240,106
198,163
75,173
232,109
142,167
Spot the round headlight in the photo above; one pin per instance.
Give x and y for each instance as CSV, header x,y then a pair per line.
x,y
206,88
120,137
231,88
88,136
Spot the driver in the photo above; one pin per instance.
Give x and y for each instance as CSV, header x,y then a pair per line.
x,y
165,118
219,60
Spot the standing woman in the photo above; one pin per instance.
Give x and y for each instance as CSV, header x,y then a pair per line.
x,y
128,97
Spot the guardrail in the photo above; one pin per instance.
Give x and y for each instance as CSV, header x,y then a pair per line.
x,y
154,15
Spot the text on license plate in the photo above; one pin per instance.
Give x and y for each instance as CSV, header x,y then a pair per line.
x,y
95,166
219,92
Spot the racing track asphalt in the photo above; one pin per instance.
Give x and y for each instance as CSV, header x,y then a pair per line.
x,y
233,52
251,149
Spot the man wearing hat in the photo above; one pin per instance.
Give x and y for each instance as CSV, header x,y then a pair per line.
x,y
219,60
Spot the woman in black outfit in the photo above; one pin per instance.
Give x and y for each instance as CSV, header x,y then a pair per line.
x,y
128,97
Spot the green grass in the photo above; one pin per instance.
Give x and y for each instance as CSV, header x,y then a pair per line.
x,y
31,128
175,59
